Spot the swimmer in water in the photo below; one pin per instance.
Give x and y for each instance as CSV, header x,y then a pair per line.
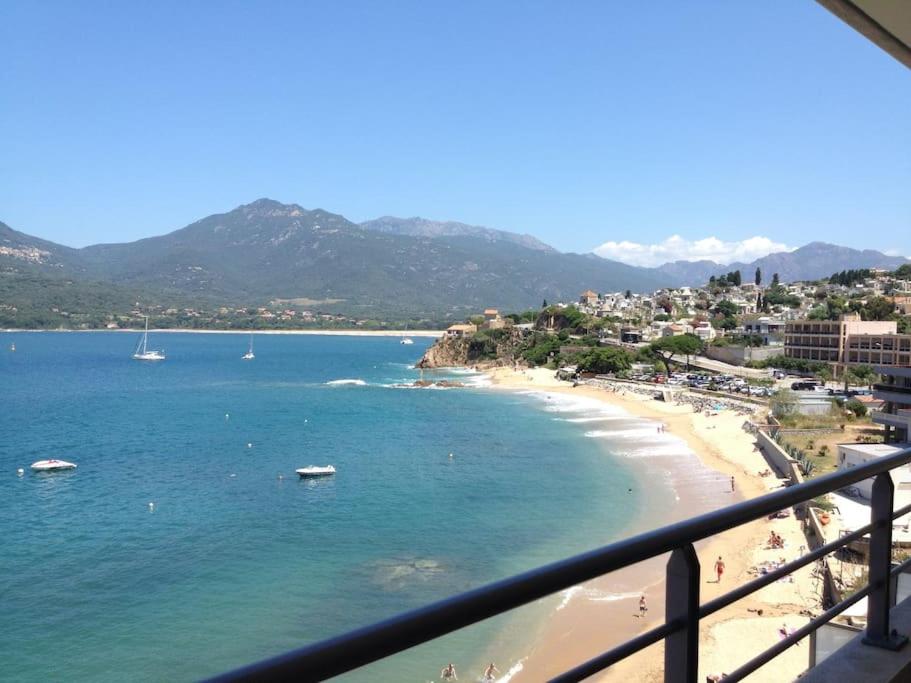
x,y
449,673
490,671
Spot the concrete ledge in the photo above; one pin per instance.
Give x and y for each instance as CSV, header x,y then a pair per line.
x,y
859,662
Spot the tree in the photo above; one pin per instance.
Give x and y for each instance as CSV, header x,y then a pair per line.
x,y
726,308
605,360
878,308
628,294
824,373
758,277
682,344
775,282
544,304
860,374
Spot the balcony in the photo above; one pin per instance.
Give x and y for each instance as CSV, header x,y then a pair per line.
x,y
892,393
683,609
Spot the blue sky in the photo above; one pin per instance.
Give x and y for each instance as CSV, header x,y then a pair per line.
x,y
581,123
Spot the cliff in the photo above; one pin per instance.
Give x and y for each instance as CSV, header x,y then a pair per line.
x,y
487,347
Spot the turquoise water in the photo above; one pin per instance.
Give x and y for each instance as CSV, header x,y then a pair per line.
x,y
234,563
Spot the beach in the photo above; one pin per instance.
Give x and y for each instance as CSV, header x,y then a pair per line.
x,y
584,628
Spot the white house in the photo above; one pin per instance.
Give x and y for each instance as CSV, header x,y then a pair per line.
x,y
854,454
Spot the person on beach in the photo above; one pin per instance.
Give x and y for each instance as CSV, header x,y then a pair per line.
x,y
490,671
643,607
732,483
719,569
449,673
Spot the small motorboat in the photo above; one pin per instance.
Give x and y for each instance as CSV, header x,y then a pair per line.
x,y
406,340
51,465
314,471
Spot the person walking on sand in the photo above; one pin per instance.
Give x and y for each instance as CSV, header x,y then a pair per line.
x,y
490,671
643,607
719,569
449,673
732,483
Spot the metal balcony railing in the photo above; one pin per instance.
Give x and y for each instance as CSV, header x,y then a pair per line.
x,y
680,631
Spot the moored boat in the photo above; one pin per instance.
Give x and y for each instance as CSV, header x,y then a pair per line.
x,y
314,471
143,352
51,465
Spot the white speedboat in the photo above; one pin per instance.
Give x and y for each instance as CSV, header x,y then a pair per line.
x,y
142,349
407,340
314,471
51,465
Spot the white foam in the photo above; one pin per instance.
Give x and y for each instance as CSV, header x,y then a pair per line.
x,y
478,380
593,418
342,382
593,595
513,670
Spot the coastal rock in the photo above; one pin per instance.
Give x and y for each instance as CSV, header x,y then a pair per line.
x,y
445,383
486,348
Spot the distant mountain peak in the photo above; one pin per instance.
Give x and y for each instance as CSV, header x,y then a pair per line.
x,y
269,207
416,226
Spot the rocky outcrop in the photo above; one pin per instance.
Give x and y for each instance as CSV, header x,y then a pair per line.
x,y
446,352
485,348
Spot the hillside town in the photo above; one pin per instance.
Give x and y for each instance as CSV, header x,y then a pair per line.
x,y
806,348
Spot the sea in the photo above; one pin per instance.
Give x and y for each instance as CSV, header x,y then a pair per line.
x,y
184,544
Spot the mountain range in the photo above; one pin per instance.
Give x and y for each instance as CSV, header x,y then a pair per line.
x,y
267,250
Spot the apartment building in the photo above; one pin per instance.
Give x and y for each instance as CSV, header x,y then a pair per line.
x,y
887,350
827,341
894,390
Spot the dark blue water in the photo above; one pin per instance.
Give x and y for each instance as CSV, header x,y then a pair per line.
x,y
236,563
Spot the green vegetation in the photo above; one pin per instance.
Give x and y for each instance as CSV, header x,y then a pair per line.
x,y
849,277
678,345
605,360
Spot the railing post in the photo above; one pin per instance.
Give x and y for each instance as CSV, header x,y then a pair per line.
x,y
681,649
880,563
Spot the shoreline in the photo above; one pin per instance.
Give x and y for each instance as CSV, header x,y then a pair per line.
x,y
328,333
577,632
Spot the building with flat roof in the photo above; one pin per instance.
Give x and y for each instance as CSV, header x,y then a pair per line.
x,y
894,390
886,350
827,341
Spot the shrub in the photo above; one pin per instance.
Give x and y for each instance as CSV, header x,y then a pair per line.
x,y
856,407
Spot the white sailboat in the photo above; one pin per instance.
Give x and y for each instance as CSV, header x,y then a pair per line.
x,y
249,354
142,349
405,338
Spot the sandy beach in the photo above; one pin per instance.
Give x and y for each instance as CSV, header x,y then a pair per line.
x,y
728,638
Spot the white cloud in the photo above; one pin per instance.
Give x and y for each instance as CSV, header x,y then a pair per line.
x,y
896,252
677,248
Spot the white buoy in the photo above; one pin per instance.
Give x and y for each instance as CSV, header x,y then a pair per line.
x,y
232,475
151,506
249,445
306,420
450,455
20,471
280,477
227,417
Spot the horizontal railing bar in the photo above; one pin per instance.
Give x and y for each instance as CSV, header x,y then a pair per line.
x,y
899,568
746,589
354,649
901,512
801,633
630,647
